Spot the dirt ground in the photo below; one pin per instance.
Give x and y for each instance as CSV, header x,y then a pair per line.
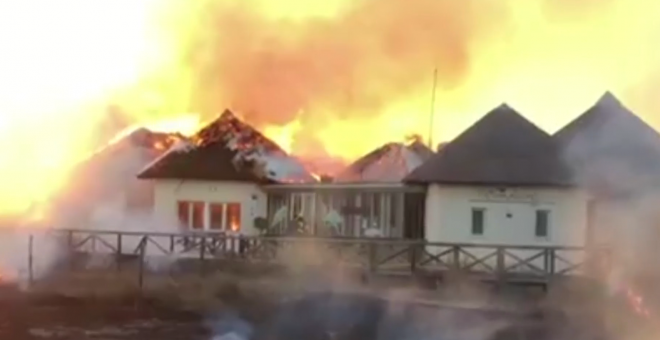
x,y
22,317
105,305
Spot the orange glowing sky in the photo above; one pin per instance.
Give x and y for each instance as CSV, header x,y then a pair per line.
x,y
63,62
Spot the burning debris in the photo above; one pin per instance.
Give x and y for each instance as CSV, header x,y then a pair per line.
x,y
389,163
234,140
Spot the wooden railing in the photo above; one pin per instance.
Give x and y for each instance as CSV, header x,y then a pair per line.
x,y
377,256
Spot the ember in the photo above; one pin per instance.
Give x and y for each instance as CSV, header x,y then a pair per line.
x,y
637,303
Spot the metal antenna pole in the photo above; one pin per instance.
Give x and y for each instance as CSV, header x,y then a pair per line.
x,y
432,115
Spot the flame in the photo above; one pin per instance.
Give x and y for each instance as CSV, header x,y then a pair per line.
x,y
185,125
350,76
283,135
61,61
637,303
336,78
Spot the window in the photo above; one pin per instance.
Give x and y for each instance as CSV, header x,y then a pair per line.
x,y
197,216
183,211
542,219
296,205
191,214
217,216
225,216
478,221
220,216
234,216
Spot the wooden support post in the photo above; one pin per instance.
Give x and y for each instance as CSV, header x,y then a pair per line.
x,y
501,267
119,254
553,261
373,253
413,258
456,258
202,256
172,244
141,259
30,260
70,251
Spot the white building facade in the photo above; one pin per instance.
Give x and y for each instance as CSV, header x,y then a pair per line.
x,y
213,206
501,193
506,215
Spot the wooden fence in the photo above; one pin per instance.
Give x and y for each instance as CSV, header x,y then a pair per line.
x,y
374,256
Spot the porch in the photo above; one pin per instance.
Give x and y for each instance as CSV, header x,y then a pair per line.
x,y
385,210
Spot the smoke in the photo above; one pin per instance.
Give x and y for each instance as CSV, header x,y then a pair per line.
x,y
27,254
346,316
277,69
615,158
365,67
105,195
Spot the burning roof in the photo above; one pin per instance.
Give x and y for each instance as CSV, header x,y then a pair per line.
x,y
223,150
389,163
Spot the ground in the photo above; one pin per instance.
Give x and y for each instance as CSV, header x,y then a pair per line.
x,y
70,319
109,305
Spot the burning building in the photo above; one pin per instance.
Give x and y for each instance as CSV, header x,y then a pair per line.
x,y
389,163
229,171
213,180
366,199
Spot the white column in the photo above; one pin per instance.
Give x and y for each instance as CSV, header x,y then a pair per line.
x,y
313,212
224,217
207,216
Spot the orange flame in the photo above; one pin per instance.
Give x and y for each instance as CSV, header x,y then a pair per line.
x,y
637,303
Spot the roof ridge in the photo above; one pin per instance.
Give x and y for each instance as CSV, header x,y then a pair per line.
x,y
525,154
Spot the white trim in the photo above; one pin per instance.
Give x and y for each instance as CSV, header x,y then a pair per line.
x,y
339,186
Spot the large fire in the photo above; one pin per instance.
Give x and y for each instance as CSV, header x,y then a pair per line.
x,y
331,78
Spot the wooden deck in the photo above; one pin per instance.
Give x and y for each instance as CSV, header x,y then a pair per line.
x,y
386,257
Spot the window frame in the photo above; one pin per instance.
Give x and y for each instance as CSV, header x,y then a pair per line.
x,y
187,208
482,212
537,225
223,216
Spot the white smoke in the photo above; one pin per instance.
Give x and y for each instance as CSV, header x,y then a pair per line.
x,y
27,254
133,226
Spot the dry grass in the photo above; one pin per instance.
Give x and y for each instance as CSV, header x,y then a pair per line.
x,y
189,292
249,288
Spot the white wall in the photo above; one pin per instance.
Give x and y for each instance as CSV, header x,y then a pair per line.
x,y
249,195
509,219
164,219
